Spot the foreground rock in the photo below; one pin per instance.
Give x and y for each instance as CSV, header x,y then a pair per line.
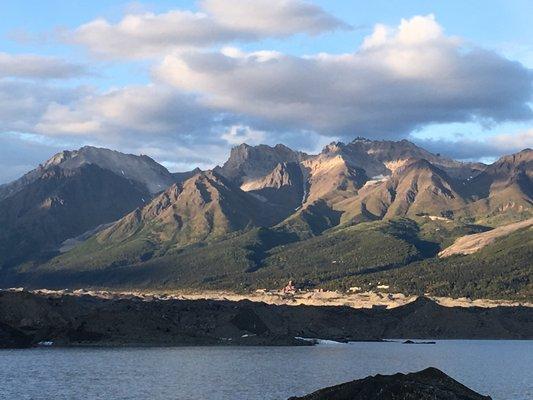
x,y
29,318
429,384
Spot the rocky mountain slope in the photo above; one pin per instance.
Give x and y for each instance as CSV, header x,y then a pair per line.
x,y
416,188
72,193
61,204
503,188
205,206
263,215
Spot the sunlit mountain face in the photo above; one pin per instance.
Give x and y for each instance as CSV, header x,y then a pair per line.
x,y
343,215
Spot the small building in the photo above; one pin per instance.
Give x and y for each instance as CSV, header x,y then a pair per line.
x,y
289,288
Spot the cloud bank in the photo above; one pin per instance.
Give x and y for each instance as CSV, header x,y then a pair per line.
x,y
397,81
31,66
219,21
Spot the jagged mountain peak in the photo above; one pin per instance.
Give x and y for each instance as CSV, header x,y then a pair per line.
x,y
60,204
418,187
333,148
420,164
264,185
505,169
504,190
395,154
283,187
520,159
183,176
245,148
247,162
59,158
205,206
382,157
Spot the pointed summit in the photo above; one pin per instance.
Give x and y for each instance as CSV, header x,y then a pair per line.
x,y
283,187
416,188
504,190
205,206
394,154
251,162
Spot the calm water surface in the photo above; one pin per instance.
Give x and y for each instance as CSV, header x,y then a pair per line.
x,y
503,369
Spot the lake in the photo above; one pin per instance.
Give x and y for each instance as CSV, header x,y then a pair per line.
x,y
503,369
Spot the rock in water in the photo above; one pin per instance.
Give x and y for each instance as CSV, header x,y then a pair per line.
x,y
429,384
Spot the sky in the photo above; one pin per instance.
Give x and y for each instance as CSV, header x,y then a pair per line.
x,y
184,81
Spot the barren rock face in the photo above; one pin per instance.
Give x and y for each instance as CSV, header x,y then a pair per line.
x,y
471,243
250,162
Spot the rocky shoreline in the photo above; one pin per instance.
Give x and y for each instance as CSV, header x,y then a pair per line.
x,y
27,319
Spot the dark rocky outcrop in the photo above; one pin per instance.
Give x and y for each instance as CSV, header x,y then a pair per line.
x,y
13,338
128,320
429,384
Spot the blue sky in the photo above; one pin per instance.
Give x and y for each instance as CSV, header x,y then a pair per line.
x,y
100,86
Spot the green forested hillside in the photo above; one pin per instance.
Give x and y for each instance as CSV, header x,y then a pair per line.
x,y
400,253
503,269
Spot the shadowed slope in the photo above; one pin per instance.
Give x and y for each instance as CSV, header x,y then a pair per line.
x,y
503,192
61,204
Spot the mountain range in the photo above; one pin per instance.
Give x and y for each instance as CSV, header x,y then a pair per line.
x,y
349,215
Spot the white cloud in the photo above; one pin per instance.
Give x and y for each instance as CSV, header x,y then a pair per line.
x,y
508,143
30,66
397,81
23,103
135,110
238,134
271,18
148,34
